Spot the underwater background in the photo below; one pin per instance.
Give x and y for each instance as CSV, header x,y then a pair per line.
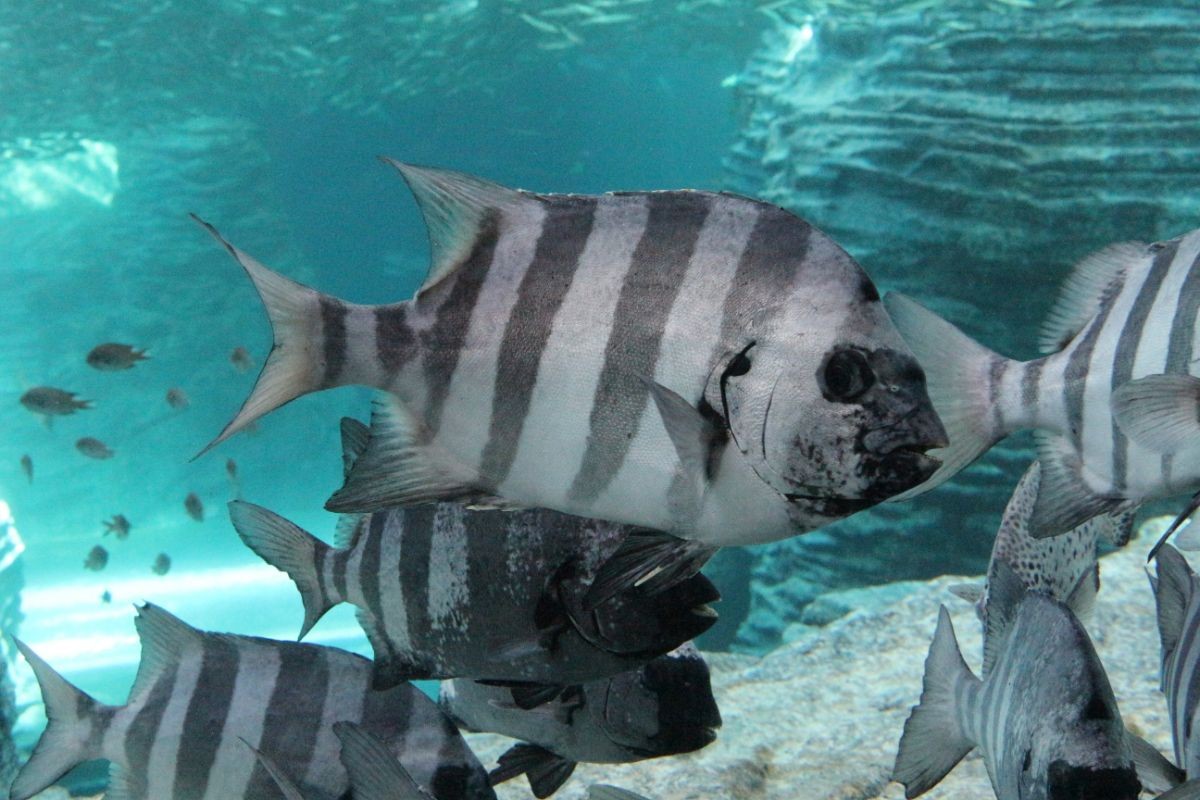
x,y
967,153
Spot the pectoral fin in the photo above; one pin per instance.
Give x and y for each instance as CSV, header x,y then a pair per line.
x,y
650,560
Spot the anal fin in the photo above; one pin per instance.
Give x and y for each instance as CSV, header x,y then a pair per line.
x,y
1064,500
545,770
1156,773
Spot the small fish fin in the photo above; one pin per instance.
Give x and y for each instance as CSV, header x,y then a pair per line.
x,y
1083,291
1117,529
1082,599
690,432
545,770
971,592
70,715
355,435
1175,525
650,560
533,695
397,469
164,638
1172,593
1159,412
1155,772
290,549
601,791
1184,791
119,787
957,374
456,208
291,369
375,773
1064,499
932,742
1004,592
1189,539
284,781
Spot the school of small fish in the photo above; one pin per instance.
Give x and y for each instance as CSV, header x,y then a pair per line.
x,y
587,398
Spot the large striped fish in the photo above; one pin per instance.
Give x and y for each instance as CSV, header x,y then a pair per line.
x,y
1044,717
663,708
692,362
200,698
1127,311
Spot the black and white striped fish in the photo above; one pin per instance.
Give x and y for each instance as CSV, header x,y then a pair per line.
x,y
198,700
696,363
1044,717
1127,311
1178,599
663,708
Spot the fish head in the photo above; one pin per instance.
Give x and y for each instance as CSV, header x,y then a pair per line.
x,y
834,421
664,708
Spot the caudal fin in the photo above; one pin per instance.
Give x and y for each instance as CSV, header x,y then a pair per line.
x,y
933,741
290,549
74,728
960,375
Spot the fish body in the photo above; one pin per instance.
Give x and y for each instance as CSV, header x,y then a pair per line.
x,y
665,707
696,363
97,559
51,402
1175,592
92,447
112,357
241,359
161,565
177,398
198,700
1045,716
118,526
194,506
27,467
1126,312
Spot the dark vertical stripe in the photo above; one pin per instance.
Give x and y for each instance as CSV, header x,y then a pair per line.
x,y
442,343
491,538
319,568
341,558
565,230
1076,372
210,704
660,259
1179,349
393,338
143,730
1031,381
414,572
995,377
1126,351
333,340
1186,655
290,728
369,566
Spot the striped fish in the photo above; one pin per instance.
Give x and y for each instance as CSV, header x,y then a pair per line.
x,y
1127,311
1045,717
200,698
1178,601
663,708
691,362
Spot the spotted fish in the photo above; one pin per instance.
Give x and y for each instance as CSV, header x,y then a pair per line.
x,y
446,591
1044,717
1126,312
663,708
199,698
696,363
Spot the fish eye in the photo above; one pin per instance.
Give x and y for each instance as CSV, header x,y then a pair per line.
x,y
845,376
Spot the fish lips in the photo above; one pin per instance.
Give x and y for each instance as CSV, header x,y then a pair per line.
x,y
897,457
1068,782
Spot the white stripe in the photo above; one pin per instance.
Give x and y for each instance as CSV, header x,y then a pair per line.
x,y
549,453
257,674
467,411
347,683
164,753
449,594
361,363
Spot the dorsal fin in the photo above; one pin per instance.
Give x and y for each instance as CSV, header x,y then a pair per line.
x,y
456,207
164,637
1004,593
1083,291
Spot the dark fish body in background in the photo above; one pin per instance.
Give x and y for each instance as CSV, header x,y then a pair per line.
x,y
177,398
1126,312
52,402
241,359
97,559
92,447
118,526
663,708
696,363
200,698
111,357
27,467
106,596
1045,716
161,565
231,469
194,506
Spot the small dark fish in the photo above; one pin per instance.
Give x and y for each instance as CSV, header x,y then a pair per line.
x,y
231,469
27,467
111,357
195,508
177,398
241,359
161,565
53,402
97,559
94,448
118,525
106,597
